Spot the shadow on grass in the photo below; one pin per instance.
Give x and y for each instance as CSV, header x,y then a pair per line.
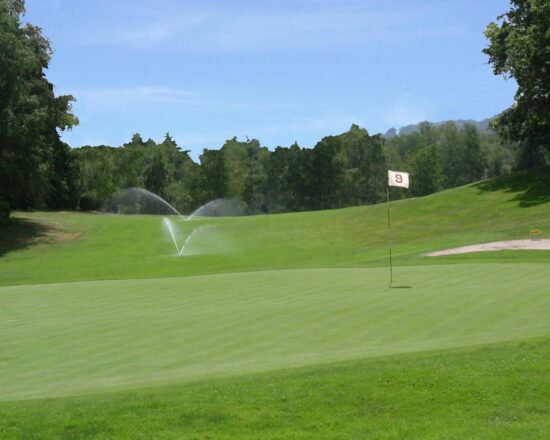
x,y
531,187
19,233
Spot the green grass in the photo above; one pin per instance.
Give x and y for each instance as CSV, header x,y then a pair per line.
x,y
75,338
122,247
493,392
284,327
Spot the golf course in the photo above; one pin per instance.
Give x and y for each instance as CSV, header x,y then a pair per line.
x,y
281,326
290,220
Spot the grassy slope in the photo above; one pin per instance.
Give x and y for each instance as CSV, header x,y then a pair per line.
x,y
72,338
120,247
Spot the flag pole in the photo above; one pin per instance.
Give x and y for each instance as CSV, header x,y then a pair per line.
x,y
389,235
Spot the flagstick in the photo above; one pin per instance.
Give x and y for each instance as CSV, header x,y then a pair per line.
x,y
389,235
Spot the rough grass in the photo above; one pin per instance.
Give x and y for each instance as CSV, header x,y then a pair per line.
x,y
21,233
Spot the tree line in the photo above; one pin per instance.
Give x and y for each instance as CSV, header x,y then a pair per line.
x,y
339,171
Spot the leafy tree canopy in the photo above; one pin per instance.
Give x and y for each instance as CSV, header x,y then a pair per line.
x,y
35,166
519,47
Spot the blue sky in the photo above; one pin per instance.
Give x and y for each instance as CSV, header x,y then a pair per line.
x,y
279,71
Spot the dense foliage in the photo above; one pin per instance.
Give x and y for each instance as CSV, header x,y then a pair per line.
x,y
35,166
446,156
519,47
343,170
340,171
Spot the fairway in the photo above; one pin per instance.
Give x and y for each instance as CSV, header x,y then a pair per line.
x,y
74,338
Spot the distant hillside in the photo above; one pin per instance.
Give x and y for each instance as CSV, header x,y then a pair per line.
x,y
482,126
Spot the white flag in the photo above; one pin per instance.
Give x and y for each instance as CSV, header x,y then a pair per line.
x,y
397,178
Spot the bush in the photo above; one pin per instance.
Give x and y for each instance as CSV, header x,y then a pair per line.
x,y
4,210
88,204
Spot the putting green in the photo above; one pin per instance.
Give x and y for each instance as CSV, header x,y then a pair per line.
x,y
85,337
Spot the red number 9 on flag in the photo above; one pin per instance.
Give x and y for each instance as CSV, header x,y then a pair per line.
x,y
399,178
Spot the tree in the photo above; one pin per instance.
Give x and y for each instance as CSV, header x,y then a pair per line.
x,y
235,159
34,164
154,174
498,156
278,180
326,173
213,176
473,161
182,176
96,176
451,154
131,161
244,172
519,48
255,185
365,167
63,178
424,168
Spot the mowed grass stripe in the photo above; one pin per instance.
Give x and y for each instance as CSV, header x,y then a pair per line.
x,y
491,392
77,338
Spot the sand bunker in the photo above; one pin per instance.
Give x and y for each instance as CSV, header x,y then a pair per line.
x,y
495,246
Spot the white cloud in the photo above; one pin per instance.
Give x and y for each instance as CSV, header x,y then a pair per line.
x,y
109,98
325,123
128,95
305,25
405,114
143,35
